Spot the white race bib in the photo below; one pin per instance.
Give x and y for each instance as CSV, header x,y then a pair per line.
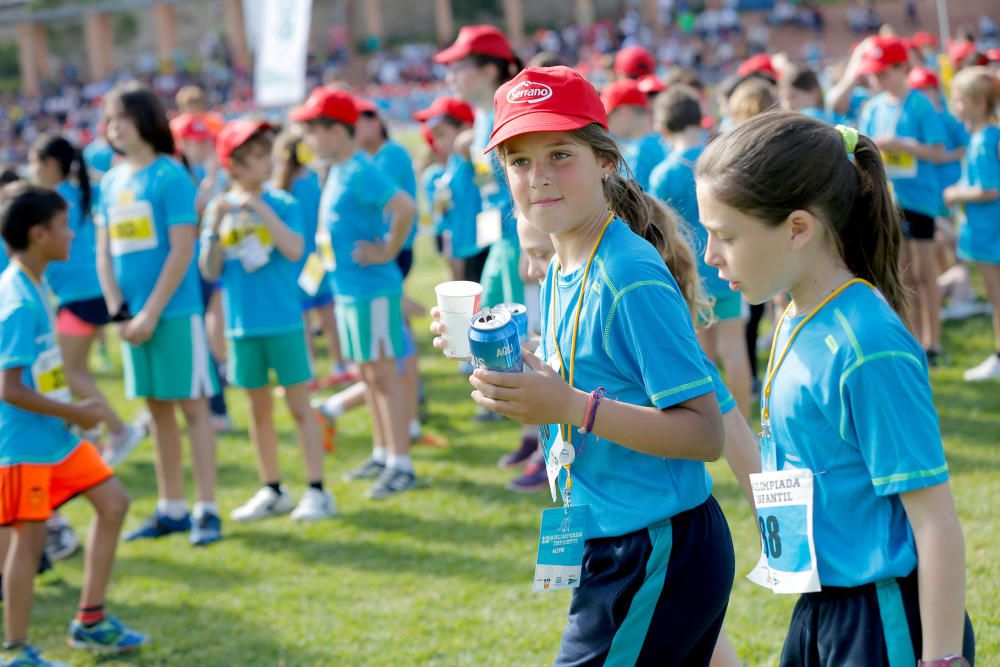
x,y
130,228
312,276
49,378
324,249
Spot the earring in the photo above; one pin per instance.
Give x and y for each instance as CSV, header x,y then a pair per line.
x,y
605,178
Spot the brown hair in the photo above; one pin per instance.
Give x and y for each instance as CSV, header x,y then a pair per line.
x,y
978,83
805,80
191,99
670,236
677,109
286,158
781,161
263,139
753,96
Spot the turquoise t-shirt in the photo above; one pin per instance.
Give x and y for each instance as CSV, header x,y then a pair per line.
x,y
99,156
396,164
672,181
642,155
428,186
914,181
852,402
817,113
139,208
956,135
307,191
459,181
352,209
636,340
28,341
76,278
490,175
979,235
256,299
3,255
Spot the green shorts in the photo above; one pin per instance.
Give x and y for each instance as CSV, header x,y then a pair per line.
x,y
252,359
501,274
173,365
370,329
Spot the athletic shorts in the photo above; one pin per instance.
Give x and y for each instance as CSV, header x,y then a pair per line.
x,y
918,226
82,318
322,298
173,365
405,261
30,491
876,625
474,266
653,597
252,359
370,329
501,274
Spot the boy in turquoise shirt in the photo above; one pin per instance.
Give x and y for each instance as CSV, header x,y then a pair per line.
x,y
253,242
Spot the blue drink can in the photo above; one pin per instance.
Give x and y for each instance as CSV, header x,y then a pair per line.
x,y
494,342
518,313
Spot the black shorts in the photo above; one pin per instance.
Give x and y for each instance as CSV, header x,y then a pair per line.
x,y
918,226
876,625
91,311
653,597
405,261
474,266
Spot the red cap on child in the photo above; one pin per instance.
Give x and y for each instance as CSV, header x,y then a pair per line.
x,y
651,84
881,53
921,78
234,134
447,106
483,40
625,92
635,61
191,126
327,103
545,99
758,64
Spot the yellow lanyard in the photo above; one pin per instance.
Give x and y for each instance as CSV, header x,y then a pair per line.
x,y
36,283
576,319
772,368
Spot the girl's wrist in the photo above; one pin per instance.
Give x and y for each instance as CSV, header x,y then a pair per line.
x,y
575,411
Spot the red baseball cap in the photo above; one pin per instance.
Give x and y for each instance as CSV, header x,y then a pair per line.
x,y
625,92
545,99
192,126
758,64
651,84
447,106
425,132
327,103
234,134
922,77
365,106
881,53
992,55
922,39
635,61
959,51
483,40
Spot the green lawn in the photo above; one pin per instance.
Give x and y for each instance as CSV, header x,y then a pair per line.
x,y
441,575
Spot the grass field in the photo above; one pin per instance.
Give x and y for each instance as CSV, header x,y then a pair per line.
x,y
442,575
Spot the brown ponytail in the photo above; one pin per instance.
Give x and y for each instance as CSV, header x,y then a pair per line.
x,y
286,157
781,161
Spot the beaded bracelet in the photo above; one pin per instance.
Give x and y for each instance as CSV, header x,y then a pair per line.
x,y
591,413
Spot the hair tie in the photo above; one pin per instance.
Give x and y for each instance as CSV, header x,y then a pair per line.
x,y
850,137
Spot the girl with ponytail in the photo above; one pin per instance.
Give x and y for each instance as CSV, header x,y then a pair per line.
x,y
849,429
625,402
57,164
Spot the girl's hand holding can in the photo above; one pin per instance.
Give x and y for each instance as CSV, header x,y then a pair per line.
x,y
537,397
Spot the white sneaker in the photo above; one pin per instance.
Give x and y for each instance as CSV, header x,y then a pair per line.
x,y
988,370
315,505
265,503
961,310
120,445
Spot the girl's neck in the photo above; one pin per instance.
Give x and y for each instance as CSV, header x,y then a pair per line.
x,y
897,94
976,124
140,157
249,188
818,284
575,245
692,137
344,154
373,147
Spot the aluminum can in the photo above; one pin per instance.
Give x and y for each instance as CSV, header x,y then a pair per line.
x,y
494,341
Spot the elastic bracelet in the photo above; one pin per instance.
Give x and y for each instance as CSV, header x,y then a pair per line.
x,y
591,414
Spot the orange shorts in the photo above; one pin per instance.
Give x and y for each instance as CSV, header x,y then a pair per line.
x,y
30,491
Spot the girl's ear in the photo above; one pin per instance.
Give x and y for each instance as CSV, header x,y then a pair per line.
x,y
803,227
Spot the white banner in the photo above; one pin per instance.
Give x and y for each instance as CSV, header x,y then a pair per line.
x,y
280,68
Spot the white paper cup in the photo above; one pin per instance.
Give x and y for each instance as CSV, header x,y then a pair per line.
x,y
458,301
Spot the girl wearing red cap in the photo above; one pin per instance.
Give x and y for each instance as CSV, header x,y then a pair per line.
x,y
623,367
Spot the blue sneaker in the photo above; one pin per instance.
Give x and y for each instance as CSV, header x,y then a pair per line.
x,y
29,657
206,529
159,525
108,636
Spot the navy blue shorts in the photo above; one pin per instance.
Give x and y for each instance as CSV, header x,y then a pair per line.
x,y
876,625
92,311
653,597
405,261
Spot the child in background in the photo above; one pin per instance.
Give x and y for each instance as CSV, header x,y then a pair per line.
x,y
801,91
721,333
367,281
430,213
80,302
974,100
794,205
252,241
630,123
145,259
42,465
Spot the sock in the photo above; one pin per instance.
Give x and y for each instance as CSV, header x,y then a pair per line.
x,y
400,462
274,486
414,429
333,407
316,485
14,645
380,453
174,509
90,616
201,508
